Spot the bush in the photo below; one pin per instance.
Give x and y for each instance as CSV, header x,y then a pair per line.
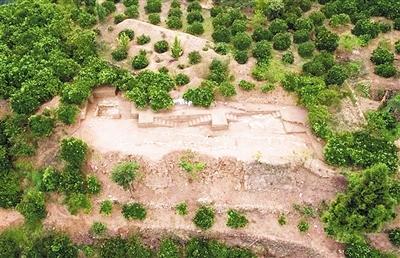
x,y
168,249
41,125
385,27
127,32
326,40
396,24
134,211
76,202
241,41
73,151
140,61
317,17
261,33
336,75
98,229
382,56
204,218
182,79
288,58
128,3
153,6
278,26
304,24
154,18
238,26
227,89
143,39
267,87
75,93
315,68
33,206
175,4
10,190
394,236
339,20
67,113
194,16
132,12
319,117
236,219
366,28
196,28
194,6
53,244
119,54
72,180
124,173
106,207
161,46
194,57
110,6
93,185
262,51
201,96
301,36
9,247
247,86
119,18
281,41
222,48
241,56
182,209
175,12
306,50
174,23
397,47
221,34
303,226
385,70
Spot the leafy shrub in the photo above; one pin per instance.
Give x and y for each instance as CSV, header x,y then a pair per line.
x,y
127,32
288,58
10,190
75,93
161,46
33,206
385,70
143,39
9,247
140,61
261,33
301,36
41,125
76,202
174,22
93,185
204,218
278,26
194,57
128,3
176,49
364,27
222,48
134,211
238,26
319,117
182,209
304,24
154,18
197,247
201,96
306,49
98,228
326,40
124,173
262,51
227,89
194,16
182,79
317,17
339,20
236,219
396,24
336,75
50,180
153,6
218,71
110,6
73,151
394,236
169,249
53,244
385,27
282,41
132,12
119,18
194,6
72,180
196,28
241,56
397,46
106,207
119,54
247,86
267,87
382,56
67,113
175,4
303,226
221,34
282,219
175,12
241,41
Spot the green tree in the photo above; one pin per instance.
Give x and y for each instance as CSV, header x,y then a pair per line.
x,y
73,151
32,206
125,173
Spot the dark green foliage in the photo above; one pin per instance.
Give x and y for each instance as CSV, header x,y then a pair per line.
x,y
194,57
360,149
67,113
53,244
262,51
32,206
222,48
303,226
169,249
128,32
282,41
385,27
396,24
194,16
73,151
154,18
365,206
182,79
236,219
76,202
261,33
288,58
72,181
336,75
241,56
125,173
385,70
204,218
119,54
238,26
140,61
153,6
247,86
194,6
182,209
304,24
93,185
51,180
319,65
76,93
227,89
317,17
218,71
306,49
382,56
197,247
394,236
119,18
109,6
319,116
196,28
278,26
161,46
301,36
326,40
175,12
359,248
9,247
143,39
10,189
132,11
201,96
41,125
365,27
339,20
174,22
128,3
98,229
114,248
241,41
397,47
134,211
106,207
221,34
